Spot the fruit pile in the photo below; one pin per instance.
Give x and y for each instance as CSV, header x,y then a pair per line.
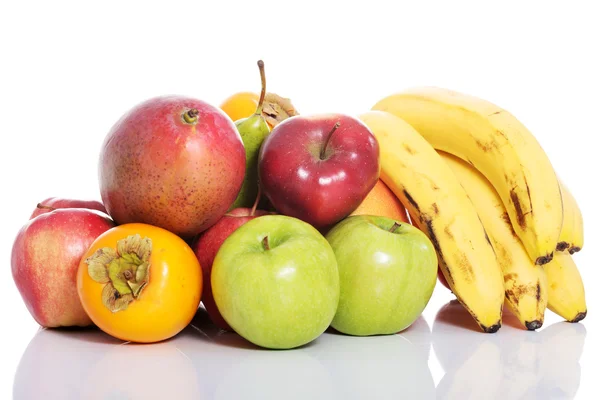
x,y
284,225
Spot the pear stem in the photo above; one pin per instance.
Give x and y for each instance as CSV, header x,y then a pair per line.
x,y
329,135
265,243
255,205
44,207
395,227
263,90
191,117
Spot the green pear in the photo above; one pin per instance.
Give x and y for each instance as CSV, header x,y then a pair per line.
x,y
253,130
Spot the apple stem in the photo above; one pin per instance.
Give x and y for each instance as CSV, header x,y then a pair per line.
x,y
44,207
255,205
395,227
263,90
265,243
329,135
191,117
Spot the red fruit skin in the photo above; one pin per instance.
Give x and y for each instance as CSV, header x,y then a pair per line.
x,y
44,261
442,279
321,192
56,203
157,169
206,248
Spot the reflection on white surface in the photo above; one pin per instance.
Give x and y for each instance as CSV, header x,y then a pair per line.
x,y
511,364
87,364
205,363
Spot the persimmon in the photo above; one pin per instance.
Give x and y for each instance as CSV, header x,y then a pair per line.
x,y
140,283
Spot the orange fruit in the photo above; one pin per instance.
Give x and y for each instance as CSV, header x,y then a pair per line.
x,y
140,283
240,105
382,202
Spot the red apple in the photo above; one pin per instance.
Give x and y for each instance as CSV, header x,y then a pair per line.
x,y
54,203
173,162
206,248
319,168
45,258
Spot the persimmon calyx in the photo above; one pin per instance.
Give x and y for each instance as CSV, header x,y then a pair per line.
x,y
277,109
124,271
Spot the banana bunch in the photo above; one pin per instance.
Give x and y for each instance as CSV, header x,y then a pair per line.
x,y
478,183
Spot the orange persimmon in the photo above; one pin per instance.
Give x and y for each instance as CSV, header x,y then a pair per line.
x,y
140,283
240,105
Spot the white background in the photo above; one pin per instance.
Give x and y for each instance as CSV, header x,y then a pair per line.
x,y
68,70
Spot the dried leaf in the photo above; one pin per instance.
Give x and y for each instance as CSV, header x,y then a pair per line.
x,y
113,300
122,303
145,249
136,288
141,275
97,264
98,272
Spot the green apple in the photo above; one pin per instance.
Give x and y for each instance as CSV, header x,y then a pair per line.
x,y
388,270
275,281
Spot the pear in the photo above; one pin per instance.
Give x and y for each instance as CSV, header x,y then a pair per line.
x,y
253,131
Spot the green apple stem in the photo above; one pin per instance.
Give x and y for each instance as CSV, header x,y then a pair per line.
x,y
255,205
191,117
44,207
395,227
263,90
265,243
329,135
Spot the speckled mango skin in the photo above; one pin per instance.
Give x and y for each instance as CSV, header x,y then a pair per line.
x,y
44,261
157,169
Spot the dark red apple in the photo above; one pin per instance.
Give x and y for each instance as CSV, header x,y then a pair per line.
x,y
54,203
44,261
173,162
206,248
319,168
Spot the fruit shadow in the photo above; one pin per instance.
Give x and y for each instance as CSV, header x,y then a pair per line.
x,y
204,329
89,334
455,315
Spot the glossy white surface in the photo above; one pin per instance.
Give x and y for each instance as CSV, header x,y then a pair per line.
x,y
69,70
443,355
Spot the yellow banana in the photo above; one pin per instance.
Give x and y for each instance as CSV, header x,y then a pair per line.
x,y
525,284
418,176
571,235
499,146
566,295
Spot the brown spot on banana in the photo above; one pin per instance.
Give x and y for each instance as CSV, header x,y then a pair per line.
x,y
409,149
430,232
510,277
465,265
435,208
448,233
514,197
410,199
562,246
483,146
538,291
